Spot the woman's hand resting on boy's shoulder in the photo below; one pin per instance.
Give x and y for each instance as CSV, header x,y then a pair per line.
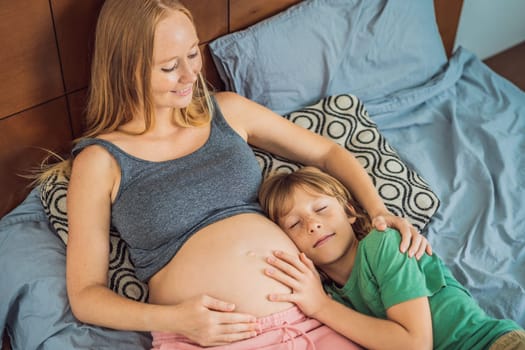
x,y
299,274
411,240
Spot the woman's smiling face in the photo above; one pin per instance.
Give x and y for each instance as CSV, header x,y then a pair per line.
x,y
177,61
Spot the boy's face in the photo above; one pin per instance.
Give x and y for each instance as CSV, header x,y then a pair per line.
x,y
319,226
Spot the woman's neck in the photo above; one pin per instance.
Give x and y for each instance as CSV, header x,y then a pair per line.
x,y
162,123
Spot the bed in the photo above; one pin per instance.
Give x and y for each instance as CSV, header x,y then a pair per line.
x,y
448,131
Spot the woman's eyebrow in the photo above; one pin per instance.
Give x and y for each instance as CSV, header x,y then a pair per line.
x,y
166,60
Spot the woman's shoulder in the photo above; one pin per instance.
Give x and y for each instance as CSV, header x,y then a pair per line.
x,y
91,149
233,103
226,96
92,156
94,165
226,99
237,110
230,103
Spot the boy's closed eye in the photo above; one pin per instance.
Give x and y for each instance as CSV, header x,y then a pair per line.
x,y
321,209
293,224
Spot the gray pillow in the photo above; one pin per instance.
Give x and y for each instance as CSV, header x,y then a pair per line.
x,y
320,48
121,275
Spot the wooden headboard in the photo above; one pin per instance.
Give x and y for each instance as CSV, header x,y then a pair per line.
x,y
46,48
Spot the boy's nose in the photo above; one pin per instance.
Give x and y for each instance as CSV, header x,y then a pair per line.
x,y
313,226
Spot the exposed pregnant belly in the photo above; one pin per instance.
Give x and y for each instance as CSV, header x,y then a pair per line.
x,y
226,260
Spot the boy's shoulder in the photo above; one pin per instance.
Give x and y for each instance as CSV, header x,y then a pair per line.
x,y
380,244
390,235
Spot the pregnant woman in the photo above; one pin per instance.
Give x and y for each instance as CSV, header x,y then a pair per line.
x,y
170,167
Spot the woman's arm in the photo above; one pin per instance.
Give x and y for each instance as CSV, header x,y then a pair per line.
x,y
408,324
264,129
203,319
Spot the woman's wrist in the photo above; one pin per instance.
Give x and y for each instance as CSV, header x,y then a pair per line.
x,y
378,211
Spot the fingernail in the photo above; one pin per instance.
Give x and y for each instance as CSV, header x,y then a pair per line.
x,y
270,259
278,252
270,271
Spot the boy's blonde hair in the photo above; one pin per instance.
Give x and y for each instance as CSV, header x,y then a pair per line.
x,y
276,191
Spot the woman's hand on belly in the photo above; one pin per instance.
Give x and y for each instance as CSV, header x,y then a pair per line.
x,y
210,322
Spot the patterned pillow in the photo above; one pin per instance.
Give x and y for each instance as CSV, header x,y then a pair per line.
x,y
121,273
341,118
344,119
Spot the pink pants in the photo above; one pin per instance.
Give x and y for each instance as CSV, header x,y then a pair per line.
x,y
289,329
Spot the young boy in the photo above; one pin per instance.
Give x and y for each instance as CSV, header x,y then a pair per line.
x,y
379,297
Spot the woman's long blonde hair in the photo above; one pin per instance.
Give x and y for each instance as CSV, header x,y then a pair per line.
x,y
120,86
277,189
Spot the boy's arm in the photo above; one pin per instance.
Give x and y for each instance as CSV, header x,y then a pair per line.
x,y
409,325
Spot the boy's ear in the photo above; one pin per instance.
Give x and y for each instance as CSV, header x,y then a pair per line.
x,y
350,212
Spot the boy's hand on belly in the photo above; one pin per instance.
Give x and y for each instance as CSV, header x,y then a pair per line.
x,y
300,275
210,322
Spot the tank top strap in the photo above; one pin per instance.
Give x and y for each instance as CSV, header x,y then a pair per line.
x,y
218,119
126,162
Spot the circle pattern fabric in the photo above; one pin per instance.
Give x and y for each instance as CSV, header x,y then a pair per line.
x,y
344,119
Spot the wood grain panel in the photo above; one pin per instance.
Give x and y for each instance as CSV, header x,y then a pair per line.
x,y
447,16
24,136
510,64
211,17
77,110
245,13
30,72
75,23
6,345
209,70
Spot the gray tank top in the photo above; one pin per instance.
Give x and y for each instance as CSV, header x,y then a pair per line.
x,y
160,205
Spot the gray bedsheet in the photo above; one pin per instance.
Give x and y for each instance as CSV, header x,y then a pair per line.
x,y
464,132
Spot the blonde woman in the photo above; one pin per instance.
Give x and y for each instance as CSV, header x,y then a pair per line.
x,y
170,167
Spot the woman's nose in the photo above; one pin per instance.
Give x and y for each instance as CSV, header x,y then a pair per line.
x,y
187,73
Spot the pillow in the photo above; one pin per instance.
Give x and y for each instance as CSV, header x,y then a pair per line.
x,y
121,274
344,119
321,48
341,118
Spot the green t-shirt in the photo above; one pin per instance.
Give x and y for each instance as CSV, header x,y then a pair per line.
x,y
383,277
